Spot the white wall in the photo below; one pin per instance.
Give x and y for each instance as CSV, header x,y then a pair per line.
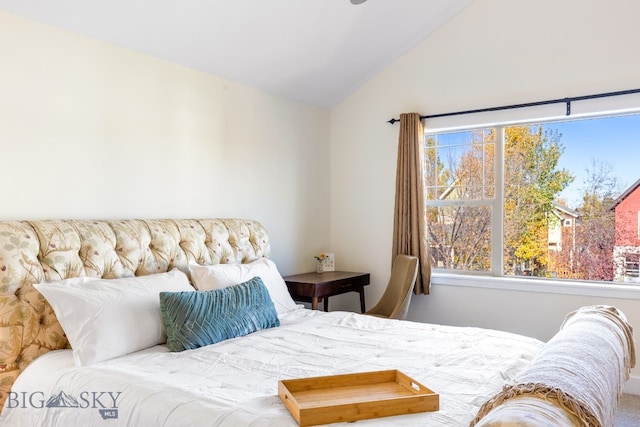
x,y
495,52
91,130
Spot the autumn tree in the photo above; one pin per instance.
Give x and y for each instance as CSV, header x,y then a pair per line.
x,y
595,238
533,181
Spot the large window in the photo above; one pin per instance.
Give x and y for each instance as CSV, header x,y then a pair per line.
x,y
535,199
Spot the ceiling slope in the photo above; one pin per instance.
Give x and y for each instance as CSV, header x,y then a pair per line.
x,y
314,51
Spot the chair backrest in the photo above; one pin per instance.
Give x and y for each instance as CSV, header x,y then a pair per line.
x,y
394,303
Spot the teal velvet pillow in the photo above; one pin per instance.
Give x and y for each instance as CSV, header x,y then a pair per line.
x,y
199,318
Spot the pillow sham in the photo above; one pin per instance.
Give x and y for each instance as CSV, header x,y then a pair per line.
x,y
217,276
196,319
107,318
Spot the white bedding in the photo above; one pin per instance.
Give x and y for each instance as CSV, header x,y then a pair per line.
x,y
234,383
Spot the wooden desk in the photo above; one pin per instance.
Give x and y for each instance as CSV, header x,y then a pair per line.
x,y
314,287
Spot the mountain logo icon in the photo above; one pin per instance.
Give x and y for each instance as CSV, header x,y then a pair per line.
x,y
62,400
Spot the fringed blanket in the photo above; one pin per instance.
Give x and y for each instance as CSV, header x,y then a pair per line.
x,y
576,379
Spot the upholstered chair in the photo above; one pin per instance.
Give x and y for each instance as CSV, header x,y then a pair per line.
x,y
394,303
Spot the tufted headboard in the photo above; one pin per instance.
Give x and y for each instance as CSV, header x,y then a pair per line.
x,y
39,251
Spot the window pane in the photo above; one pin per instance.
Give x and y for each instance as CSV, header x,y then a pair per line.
x,y
460,165
460,237
532,218
570,220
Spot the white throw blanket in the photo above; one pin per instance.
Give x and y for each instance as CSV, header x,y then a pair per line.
x,y
581,370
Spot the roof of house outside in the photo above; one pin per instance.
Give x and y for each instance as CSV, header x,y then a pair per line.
x,y
626,194
565,210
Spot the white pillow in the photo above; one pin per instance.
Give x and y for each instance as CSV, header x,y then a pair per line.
x,y
107,318
217,276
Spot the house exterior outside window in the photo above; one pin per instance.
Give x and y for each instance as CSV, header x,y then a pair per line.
x,y
627,234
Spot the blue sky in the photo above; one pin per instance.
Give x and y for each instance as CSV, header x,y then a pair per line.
x,y
613,140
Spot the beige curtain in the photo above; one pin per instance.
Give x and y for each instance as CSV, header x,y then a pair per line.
x,y
410,221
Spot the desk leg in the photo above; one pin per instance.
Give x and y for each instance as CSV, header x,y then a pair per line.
x,y
326,303
361,292
314,303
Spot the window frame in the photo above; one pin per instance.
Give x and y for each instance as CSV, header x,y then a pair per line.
x,y
494,203
495,278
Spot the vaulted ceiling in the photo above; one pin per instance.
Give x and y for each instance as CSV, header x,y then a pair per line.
x,y
315,51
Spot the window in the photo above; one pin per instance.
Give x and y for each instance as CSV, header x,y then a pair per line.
x,y
533,199
461,189
632,266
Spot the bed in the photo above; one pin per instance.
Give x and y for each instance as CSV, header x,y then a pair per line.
x,y
134,362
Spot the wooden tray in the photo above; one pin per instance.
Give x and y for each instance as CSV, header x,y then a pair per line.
x,y
352,397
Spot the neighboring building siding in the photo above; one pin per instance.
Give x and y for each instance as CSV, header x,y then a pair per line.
x,y
627,220
627,245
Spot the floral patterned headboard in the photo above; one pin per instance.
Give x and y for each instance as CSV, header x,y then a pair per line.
x,y
49,250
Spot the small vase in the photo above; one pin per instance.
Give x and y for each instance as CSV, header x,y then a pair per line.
x,y
319,267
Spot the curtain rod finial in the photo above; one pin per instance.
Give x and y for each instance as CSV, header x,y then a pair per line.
x,y
393,121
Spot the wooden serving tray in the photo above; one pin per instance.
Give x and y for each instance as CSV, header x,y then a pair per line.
x,y
352,397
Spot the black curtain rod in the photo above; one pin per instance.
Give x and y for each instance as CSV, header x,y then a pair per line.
x,y
566,101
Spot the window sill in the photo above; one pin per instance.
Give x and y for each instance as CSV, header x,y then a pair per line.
x,y
567,287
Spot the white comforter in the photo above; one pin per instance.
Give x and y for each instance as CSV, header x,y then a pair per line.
x,y
234,383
